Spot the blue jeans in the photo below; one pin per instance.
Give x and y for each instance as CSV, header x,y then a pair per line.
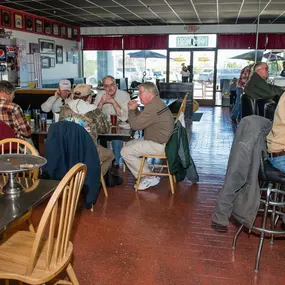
x,y
117,145
236,114
278,162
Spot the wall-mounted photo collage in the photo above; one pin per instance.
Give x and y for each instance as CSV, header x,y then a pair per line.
x,y
18,20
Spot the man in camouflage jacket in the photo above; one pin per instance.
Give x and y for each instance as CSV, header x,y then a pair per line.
x,y
80,111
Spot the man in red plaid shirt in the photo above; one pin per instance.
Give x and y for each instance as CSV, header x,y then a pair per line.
x,y
11,113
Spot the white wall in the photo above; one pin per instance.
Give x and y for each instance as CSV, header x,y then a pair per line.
x,y
65,70
180,29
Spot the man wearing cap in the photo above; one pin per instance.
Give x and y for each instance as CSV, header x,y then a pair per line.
x,y
80,111
113,101
61,97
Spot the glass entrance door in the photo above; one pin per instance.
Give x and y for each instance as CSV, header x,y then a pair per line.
x,y
178,59
201,65
203,74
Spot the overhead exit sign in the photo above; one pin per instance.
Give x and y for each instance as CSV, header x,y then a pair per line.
x,y
192,41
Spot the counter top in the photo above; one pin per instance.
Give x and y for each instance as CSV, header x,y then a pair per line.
x,y
37,91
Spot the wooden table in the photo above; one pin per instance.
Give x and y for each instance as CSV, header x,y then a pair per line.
x,y
116,133
35,192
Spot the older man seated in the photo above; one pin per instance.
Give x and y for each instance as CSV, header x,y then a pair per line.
x,y
113,101
61,97
257,86
11,113
157,122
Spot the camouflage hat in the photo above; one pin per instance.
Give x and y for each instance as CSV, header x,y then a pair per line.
x,y
82,90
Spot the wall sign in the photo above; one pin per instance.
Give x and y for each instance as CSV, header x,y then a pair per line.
x,y
192,41
3,54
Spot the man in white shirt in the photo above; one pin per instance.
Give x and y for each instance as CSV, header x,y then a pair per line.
x,y
61,97
113,101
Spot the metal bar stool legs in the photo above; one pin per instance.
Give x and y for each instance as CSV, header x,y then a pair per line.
x,y
262,233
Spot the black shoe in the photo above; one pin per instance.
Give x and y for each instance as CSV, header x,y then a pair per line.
x,y
112,180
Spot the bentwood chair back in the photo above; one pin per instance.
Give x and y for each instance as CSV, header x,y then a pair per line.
x,y
182,107
15,145
37,258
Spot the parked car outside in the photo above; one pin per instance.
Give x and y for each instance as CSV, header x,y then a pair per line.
x,y
204,75
225,73
132,73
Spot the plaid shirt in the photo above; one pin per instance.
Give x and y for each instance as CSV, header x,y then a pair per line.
x,y
244,77
13,116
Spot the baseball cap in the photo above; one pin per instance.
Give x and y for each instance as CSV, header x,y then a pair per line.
x,y
82,90
65,84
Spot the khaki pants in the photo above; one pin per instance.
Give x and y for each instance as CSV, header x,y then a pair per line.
x,y
135,149
106,157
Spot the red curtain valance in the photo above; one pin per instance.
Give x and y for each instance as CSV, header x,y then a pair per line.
x,y
275,41
102,43
146,42
244,41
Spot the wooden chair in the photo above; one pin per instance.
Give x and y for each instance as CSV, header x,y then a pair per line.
x,y
37,258
182,107
14,145
172,178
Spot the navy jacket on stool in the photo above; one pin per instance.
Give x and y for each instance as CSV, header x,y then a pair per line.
x,y
67,144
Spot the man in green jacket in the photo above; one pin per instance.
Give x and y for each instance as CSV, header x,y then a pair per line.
x,y
257,86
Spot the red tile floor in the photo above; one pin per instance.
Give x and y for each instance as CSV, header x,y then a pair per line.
x,y
155,238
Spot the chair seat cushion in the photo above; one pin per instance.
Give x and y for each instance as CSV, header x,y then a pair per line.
x,y
273,174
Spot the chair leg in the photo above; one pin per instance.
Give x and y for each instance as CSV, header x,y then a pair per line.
x,y
140,173
170,179
174,178
7,282
31,226
262,234
71,275
273,215
104,185
236,236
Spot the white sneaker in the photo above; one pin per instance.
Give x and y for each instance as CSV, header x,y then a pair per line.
x,y
148,181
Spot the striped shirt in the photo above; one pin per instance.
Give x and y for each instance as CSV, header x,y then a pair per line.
x,y
13,116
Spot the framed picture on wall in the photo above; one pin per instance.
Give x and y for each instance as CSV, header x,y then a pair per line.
x,y
52,62
75,32
34,48
18,21
29,23
69,56
75,57
69,33
47,28
46,46
6,18
59,54
63,31
39,26
45,62
55,29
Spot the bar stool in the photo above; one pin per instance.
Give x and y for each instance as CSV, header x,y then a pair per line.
x,y
271,206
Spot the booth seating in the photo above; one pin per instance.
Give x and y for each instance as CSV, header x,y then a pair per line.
x,y
269,110
254,107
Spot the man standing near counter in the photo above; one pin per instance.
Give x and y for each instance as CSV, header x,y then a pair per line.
x,y
61,97
11,113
